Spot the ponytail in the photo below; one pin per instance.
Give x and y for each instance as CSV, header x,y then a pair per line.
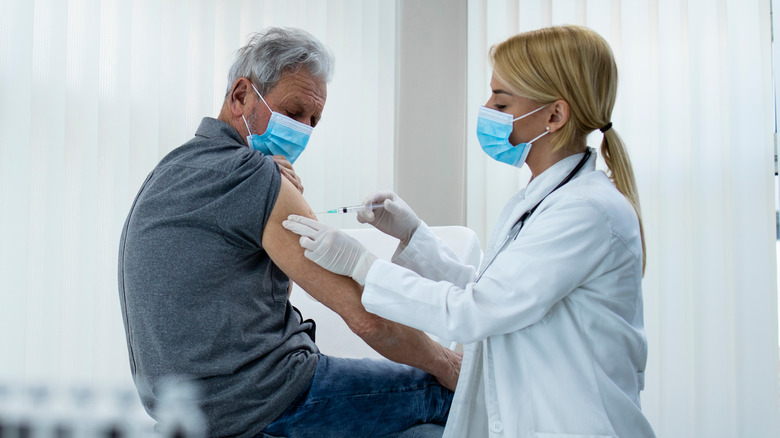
x,y
622,175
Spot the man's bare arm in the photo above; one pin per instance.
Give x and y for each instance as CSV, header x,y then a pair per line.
x,y
342,295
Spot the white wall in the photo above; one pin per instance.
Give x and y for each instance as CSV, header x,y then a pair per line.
x,y
431,109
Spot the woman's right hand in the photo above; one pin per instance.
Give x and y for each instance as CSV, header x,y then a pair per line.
x,y
394,217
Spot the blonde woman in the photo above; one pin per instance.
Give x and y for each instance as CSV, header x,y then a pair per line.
x,y
552,322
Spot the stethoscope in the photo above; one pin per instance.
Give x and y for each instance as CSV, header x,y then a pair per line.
x,y
515,230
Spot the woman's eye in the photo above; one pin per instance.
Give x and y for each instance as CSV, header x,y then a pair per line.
x,y
500,107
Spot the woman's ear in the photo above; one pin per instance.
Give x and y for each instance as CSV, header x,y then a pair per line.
x,y
237,98
559,115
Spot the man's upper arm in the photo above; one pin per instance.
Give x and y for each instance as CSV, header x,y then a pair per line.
x,y
340,294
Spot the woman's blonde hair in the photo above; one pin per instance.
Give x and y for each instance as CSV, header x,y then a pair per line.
x,y
574,64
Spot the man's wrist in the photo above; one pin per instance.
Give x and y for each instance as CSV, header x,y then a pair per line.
x,y
448,368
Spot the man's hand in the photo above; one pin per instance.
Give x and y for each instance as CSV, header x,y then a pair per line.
x,y
450,372
288,172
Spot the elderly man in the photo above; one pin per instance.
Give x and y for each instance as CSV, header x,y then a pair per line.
x,y
205,268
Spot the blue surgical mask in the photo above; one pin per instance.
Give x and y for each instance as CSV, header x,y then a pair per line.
x,y
493,130
284,136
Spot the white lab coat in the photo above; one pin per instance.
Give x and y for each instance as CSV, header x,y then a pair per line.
x,y
553,333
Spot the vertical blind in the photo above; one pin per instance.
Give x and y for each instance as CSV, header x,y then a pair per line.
x,y
93,94
695,111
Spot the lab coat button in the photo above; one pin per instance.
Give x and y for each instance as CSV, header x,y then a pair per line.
x,y
497,427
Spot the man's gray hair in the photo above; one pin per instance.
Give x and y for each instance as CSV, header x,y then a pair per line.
x,y
277,50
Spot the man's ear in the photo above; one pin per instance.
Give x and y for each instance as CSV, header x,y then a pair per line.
x,y
237,98
559,115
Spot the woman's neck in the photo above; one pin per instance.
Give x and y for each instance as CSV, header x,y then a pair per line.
x,y
542,161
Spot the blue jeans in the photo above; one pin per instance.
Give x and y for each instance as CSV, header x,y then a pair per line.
x,y
365,398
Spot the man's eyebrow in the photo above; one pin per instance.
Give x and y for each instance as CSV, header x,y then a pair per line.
x,y
301,102
293,100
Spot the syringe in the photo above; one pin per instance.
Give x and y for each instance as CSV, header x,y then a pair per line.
x,y
352,208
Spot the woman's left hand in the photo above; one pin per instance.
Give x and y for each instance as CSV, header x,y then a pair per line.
x,y
331,248
288,172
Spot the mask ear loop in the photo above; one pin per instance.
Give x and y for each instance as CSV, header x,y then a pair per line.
x,y
526,115
547,131
261,98
266,105
247,125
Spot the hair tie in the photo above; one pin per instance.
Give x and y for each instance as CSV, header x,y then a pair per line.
x,y
605,128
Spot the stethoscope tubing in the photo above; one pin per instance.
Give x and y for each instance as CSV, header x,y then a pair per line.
x,y
515,230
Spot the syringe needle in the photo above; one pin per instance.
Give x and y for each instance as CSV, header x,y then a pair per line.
x,y
351,209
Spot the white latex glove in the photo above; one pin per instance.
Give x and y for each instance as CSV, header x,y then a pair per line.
x,y
331,248
394,218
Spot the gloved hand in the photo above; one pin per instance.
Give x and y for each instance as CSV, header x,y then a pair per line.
x,y
394,218
331,248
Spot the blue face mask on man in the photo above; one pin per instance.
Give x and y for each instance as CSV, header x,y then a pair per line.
x,y
493,130
284,136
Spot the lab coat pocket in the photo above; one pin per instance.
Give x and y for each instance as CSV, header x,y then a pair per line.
x,y
569,435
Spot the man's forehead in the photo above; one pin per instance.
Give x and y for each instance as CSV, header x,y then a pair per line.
x,y
301,84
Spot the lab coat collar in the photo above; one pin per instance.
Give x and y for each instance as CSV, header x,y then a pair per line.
x,y
540,186
537,189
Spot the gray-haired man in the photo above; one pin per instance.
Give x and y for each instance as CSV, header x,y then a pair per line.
x,y
205,268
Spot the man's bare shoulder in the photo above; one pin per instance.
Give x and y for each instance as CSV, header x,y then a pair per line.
x,y
341,294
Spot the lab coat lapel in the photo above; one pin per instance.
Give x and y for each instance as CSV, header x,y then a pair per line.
x,y
528,197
